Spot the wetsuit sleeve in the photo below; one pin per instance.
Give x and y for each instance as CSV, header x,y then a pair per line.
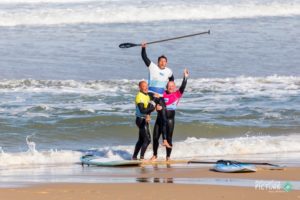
x,y
145,58
171,78
183,85
147,110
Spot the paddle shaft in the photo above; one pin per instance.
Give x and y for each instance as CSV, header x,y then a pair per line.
x,y
211,162
201,162
128,45
176,38
254,163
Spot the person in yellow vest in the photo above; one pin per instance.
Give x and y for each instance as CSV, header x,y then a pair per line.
x,y
144,106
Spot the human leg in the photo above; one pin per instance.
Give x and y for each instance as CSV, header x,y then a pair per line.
x,y
170,130
146,139
156,136
138,146
164,122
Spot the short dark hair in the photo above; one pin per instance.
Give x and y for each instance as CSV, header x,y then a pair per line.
x,y
162,56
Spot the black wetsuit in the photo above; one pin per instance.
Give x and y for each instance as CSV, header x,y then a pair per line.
x,y
171,121
161,120
144,132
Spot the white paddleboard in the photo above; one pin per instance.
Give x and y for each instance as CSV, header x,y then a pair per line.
x,y
107,162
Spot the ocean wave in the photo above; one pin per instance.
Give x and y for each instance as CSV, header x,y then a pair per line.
x,y
65,86
277,85
39,158
241,101
239,146
274,147
35,157
101,12
203,147
43,1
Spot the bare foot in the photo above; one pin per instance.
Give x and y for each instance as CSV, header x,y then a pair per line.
x,y
153,158
168,159
166,144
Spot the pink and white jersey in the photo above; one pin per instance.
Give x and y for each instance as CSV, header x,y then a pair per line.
x,y
172,99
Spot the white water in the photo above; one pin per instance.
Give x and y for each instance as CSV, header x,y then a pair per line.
x,y
276,148
214,94
33,157
269,85
54,12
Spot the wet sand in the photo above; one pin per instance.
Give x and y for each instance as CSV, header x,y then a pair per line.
x,y
141,191
157,183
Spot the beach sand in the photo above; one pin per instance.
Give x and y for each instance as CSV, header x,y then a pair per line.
x,y
140,191
157,185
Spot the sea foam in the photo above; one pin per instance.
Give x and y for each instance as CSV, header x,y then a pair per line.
x,y
277,148
54,12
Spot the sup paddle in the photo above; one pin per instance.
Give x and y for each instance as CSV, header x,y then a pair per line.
x,y
128,45
231,161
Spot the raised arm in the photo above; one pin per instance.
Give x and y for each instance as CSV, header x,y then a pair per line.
x,y
144,55
184,81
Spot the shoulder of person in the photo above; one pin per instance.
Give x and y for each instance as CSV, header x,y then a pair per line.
x,y
139,95
178,93
169,71
152,65
142,95
139,99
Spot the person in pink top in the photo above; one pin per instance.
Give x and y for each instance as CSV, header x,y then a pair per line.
x,y
171,97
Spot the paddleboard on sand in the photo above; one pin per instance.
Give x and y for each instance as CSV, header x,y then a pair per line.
x,y
220,165
231,166
107,162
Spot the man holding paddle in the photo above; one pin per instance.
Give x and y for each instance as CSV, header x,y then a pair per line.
x,y
159,76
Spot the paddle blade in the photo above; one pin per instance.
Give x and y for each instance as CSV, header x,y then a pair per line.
x,y
128,45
